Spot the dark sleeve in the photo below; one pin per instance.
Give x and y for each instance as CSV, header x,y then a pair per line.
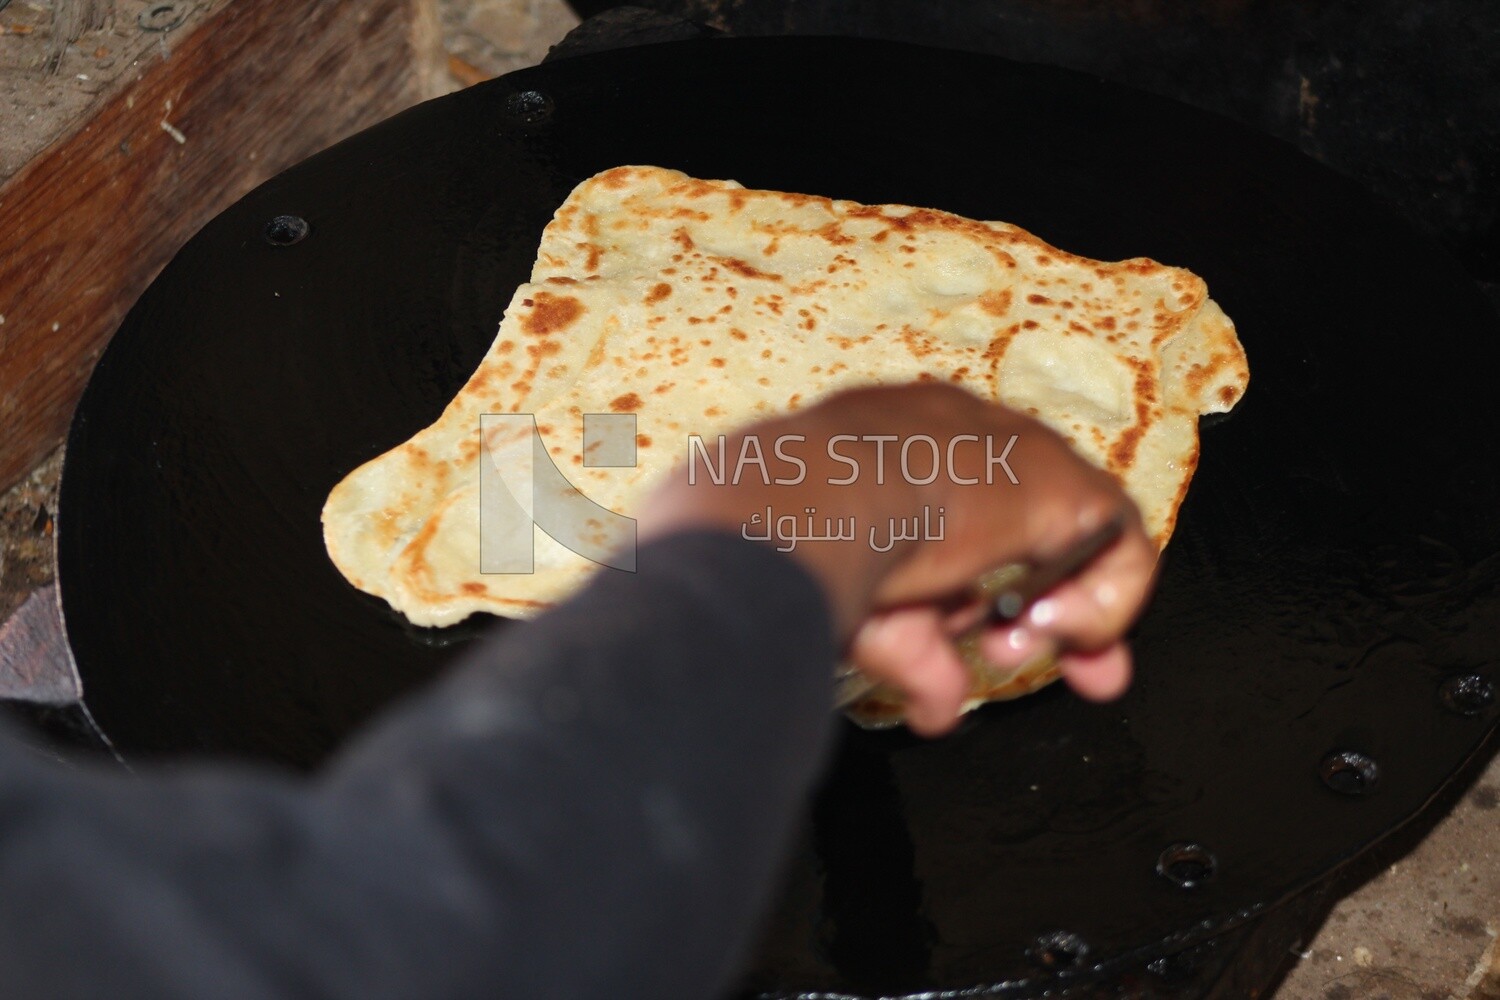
x,y
593,805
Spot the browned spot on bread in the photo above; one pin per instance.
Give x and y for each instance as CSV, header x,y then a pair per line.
x,y
717,362
561,280
475,589
626,403
996,303
420,544
694,187
683,239
744,269
658,292
995,352
738,334
1200,374
550,313
835,234
1122,452
1038,300
1227,394
918,342
616,179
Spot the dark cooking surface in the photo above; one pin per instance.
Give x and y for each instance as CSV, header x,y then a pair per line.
x,y
1403,97
1335,562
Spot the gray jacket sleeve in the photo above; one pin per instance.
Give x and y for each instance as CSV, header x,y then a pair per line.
x,y
592,805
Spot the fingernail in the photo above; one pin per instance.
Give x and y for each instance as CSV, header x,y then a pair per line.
x,y
1043,613
1106,595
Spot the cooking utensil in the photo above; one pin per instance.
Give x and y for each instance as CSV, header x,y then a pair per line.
x,y
1006,591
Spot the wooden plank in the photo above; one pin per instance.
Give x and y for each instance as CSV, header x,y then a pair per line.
x,y
249,88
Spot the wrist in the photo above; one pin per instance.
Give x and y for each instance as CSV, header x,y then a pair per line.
x,y
848,569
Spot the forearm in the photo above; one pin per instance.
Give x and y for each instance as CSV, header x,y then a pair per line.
x,y
662,742
609,785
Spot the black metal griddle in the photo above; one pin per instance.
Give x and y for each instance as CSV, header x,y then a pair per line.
x,y
1321,653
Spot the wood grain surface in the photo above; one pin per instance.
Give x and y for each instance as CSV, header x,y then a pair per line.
x,y
251,87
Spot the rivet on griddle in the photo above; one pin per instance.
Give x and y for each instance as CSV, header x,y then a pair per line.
x,y
1467,694
286,230
1350,773
1186,865
528,107
162,16
1059,951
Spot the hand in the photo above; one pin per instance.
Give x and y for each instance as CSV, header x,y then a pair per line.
x,y
896,608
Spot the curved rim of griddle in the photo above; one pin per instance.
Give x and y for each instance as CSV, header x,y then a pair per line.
x,y
1255,221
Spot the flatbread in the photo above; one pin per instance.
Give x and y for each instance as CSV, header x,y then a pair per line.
x,y
701,306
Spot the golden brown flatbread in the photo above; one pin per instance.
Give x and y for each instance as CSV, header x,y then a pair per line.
x,y
701,305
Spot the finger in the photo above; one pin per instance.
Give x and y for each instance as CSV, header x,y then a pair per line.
x,y
1095,608
1100,676
1083,499
1012,647
907,648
